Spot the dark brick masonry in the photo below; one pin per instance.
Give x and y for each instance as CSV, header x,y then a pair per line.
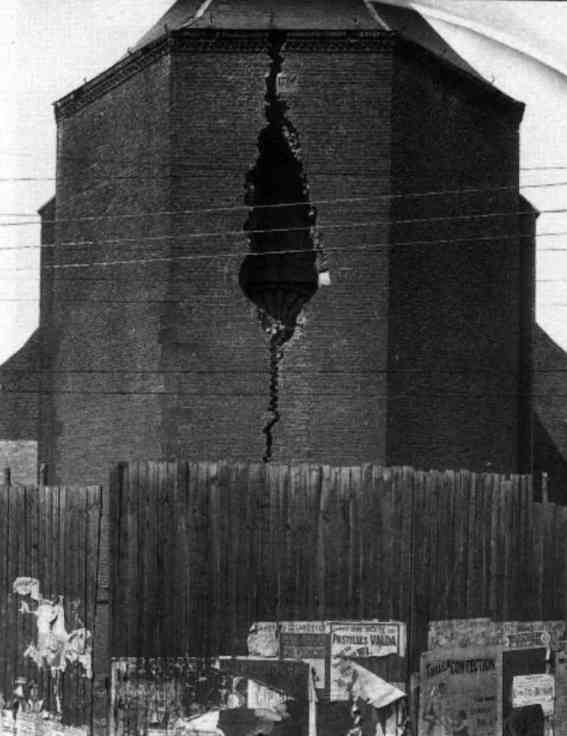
x,y
166,357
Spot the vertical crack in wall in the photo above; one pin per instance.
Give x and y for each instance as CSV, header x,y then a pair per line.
x,y
280,273
276,355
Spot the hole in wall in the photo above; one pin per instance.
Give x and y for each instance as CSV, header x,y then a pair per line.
x,y
281,273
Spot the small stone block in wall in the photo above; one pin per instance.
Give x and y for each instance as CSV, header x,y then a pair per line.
x,y
287,84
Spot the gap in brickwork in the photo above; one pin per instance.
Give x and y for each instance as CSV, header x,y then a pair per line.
x,y
280,274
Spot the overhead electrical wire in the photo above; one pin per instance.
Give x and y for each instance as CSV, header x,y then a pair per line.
x,y
239,394
242,232
291,371
244,207
240,254
143,157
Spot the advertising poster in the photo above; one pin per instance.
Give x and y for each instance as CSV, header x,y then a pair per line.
x,y
358,641
151,695
534,690
527,640
260,696
560,714
460,692
482,632
263,639
308,641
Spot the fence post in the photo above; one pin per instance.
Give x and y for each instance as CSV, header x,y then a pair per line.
x,y
7,477
43,474
544,488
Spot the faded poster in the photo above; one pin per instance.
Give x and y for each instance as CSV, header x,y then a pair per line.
x,y
460,693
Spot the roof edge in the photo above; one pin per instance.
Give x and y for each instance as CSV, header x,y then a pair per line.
x,y
46,205
112,77
256,41
514,107
203,40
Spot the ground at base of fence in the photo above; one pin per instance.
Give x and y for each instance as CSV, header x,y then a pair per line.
x,y
26,724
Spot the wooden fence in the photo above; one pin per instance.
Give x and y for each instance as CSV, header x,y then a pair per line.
x,y
190,555
53,535
201,551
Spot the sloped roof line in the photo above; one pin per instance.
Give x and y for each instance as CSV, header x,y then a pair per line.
x,y
312,15
487,32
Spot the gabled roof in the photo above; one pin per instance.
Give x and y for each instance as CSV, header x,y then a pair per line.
x,y
295,16
290,15
312,15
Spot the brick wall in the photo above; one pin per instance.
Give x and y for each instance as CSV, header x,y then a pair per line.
x,y
19,410
167,358
332,374
113,162
456,318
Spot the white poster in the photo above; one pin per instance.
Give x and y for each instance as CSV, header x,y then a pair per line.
x,y
534,690
356,641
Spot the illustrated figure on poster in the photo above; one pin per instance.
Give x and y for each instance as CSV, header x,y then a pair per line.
x,y
356,715
34,702
461,724
19,702
435,718
55,647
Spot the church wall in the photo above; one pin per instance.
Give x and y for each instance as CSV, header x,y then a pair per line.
x,y
109,278
331,381
409,355
456,319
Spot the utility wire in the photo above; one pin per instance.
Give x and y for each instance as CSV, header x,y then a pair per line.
x,y
247,371
239,394
244,207
241,254
260,393
166,301
159,159
193,172
242,232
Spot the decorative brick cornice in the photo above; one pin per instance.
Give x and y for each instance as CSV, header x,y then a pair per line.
x,y
224,41
111,78
258,41
206,40
340,41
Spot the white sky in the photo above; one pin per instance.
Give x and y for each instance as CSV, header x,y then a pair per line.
x,y
48,47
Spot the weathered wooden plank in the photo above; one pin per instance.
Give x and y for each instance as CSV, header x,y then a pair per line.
x,y
5,586
344,541
539,559
236,534
355,481
172,613
386,504
215,543
20,569
562,562
195,552
118,554
153,643
447,561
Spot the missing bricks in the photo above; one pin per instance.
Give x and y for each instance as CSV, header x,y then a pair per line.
x,y
281,274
